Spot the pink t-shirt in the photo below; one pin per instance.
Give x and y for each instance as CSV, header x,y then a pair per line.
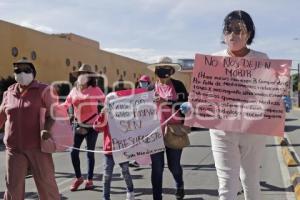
x,y
166,92
85,102
21,114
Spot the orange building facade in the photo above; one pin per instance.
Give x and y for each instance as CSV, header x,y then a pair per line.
x,y
55,56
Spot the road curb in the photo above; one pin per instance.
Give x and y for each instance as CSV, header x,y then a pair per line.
x,y
282,141
295,179
289,159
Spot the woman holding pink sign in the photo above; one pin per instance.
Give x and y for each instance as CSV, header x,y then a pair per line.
x,y
237,155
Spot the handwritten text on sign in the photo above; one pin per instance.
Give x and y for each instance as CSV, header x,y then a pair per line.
x,y
239,94
131,120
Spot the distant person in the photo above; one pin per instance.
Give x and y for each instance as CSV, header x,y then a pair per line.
x,y
169,92
287,103
84,98
20,111
143,82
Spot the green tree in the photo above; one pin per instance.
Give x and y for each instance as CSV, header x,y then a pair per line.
x,y
295,79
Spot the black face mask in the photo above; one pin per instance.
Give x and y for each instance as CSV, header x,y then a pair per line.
x,y
163,72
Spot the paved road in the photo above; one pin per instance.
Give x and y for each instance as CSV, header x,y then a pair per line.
x,y
292,133
199,175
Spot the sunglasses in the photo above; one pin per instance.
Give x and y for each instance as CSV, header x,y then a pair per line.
x,y
25,70
229,30
164,67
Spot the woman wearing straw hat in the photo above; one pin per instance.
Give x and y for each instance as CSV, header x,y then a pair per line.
x,y
170,93
84,98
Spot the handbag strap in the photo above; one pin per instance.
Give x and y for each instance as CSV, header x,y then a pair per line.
x,y
88,119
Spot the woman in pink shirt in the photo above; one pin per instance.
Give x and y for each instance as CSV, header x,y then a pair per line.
x,y
84,98
20,111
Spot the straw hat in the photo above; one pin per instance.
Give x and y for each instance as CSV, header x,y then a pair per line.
x,y
84,69
27,62
165,61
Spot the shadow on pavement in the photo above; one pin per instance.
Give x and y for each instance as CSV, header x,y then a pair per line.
x,y
171,191
268,187
209,167
2,147
192,146
291,119
291,128
30,195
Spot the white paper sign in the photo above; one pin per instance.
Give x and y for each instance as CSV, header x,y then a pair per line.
x,y
134,126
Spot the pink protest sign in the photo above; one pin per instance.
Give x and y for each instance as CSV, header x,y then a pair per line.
x,y
242,95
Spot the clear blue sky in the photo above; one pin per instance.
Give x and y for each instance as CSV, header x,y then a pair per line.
x,y
148,29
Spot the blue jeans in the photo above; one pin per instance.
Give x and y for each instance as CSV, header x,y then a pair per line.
x,y
109,164
173,157
91,139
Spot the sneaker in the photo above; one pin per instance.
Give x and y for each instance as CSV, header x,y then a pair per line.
x,y
179,193
134,164
76,183
89,185
130,196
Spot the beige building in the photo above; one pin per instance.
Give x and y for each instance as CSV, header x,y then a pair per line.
x,y
57,55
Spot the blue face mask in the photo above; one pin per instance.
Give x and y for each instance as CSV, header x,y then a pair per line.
x,y
143,84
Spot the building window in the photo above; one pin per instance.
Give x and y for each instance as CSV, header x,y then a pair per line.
x,y
134,75
124,73
118,71
104,69
33,55
14,51
96,68
68,62
74,68
79,64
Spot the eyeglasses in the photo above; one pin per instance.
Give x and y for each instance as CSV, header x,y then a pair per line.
x,y
229,30
26,70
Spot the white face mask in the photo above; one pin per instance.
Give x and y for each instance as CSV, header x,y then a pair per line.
x,y
143,84
24,78
82,79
